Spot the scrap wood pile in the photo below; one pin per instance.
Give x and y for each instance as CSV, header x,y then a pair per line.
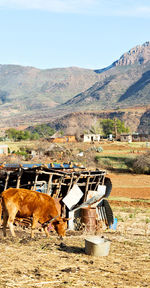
x,y
69,183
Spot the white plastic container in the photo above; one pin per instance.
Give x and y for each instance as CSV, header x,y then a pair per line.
x,y
97,246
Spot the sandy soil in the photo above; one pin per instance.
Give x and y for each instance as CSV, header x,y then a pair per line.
x,y
130,185
52,263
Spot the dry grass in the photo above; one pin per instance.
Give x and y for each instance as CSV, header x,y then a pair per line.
x,y
52,263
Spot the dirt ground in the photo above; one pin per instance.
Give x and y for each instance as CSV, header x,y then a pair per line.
x,y
130,185
50,262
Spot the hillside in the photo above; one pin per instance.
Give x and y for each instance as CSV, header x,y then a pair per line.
x,y
139,54
138,119
28,88
125,83
119,90
29,95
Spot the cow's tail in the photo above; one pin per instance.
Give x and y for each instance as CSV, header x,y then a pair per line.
x,y
0,209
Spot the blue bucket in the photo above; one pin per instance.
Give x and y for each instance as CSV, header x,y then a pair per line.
x,y
114,225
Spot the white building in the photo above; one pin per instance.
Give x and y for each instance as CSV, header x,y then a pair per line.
x,y
3,149
91,137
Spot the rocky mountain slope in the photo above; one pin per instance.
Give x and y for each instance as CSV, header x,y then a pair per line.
x,y
138,119
29,95
137,55
125,83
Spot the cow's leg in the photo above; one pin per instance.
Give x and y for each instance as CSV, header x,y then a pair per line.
x,y
0,211
11,219
11,227
5,219
46,231
34,225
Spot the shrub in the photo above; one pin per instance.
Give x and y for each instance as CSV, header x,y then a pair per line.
x,y
141,164
18,135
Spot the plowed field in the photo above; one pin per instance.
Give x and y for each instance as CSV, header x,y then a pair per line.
x,y
130,185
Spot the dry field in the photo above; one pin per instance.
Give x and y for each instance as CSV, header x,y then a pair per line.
x,y
52,263
132,186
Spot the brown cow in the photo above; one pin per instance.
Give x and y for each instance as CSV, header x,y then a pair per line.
x,y
27,203
0,211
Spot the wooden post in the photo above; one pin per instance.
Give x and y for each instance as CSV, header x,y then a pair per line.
x,y
58,189
76,180
115,128
49,186
86,188
6,181
70,184
98,182
36,177
19,178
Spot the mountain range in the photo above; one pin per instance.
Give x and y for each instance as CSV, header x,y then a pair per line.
x,y
29,95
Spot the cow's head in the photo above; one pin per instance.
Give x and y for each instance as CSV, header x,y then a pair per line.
x,y
60,225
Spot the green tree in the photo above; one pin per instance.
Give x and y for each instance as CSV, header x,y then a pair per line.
x,y
120,126
18,135
113,126
34,136
11,134
43,130
107,126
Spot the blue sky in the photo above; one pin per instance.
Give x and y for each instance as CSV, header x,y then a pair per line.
x,y
63,33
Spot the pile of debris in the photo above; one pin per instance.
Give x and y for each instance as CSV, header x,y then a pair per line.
x,y
75,187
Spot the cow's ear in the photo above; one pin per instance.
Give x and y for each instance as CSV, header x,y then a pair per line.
x,y
55,221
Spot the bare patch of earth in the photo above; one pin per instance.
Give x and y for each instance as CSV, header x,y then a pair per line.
x,y
52,263
130,185
130,203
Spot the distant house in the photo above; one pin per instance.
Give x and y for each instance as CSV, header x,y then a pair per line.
x,y
62,139
90,137
4,150
136,137
140,137
125,137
